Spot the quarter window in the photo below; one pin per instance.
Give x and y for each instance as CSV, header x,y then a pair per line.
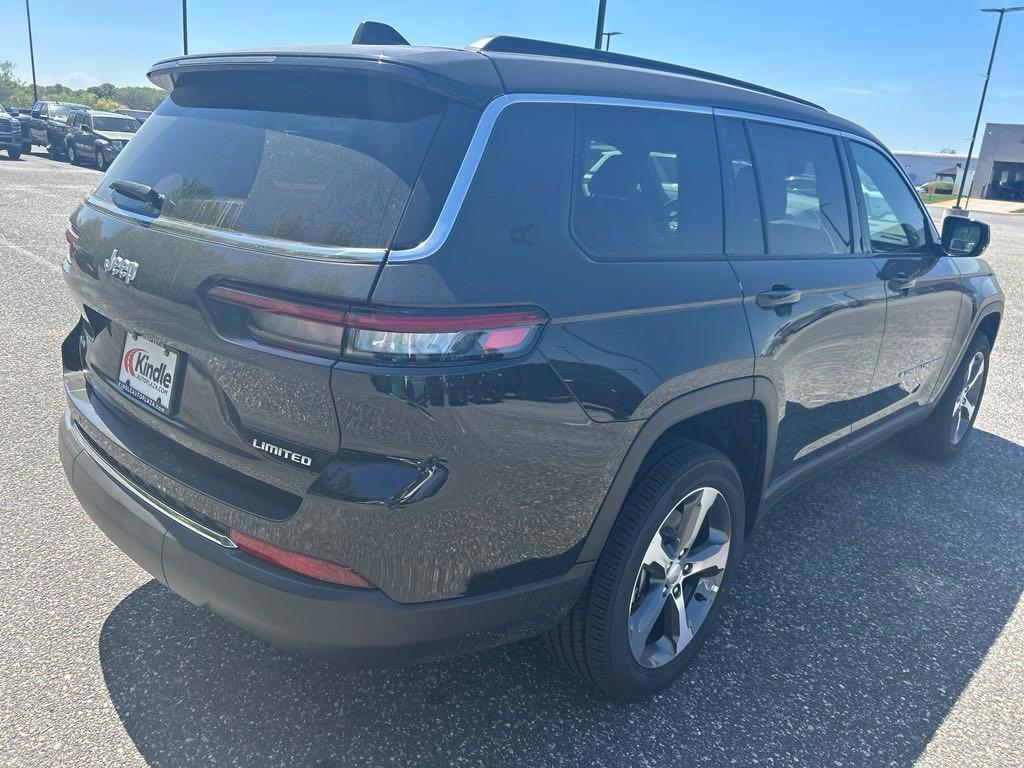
x,y
647,184
895,219
802,191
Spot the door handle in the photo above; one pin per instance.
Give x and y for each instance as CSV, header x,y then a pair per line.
x,y
902,282
778,296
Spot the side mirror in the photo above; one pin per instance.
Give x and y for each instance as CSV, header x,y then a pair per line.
x,y
34,113
964,237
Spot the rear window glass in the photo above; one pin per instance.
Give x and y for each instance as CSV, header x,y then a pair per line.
x,y
317,157
123,124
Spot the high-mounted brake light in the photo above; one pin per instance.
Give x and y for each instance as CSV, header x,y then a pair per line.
x,y
313,567
396,336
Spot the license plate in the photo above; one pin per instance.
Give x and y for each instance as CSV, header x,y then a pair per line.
x,y
148,372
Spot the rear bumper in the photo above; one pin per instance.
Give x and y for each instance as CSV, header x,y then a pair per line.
x,y
353,626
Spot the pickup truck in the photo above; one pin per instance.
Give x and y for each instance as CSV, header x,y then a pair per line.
x,y
47,126
10,133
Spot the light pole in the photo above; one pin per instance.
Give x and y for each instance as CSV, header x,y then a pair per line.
x,y
608,39
984,89
31,54
600,23
184,25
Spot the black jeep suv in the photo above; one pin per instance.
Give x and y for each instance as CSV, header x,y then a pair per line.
x,y
391,352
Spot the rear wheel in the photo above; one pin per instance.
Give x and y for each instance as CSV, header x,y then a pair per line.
x,y
657,587
13,153
944,434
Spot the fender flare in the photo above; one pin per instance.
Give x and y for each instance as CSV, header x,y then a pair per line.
x,y
992,307
676,411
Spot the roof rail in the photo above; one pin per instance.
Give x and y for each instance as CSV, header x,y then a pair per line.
x,y
509,44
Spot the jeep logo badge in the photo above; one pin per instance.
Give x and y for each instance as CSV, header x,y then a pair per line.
x,y
120,268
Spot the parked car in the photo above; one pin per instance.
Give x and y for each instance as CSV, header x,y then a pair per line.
x,y
521,339
97,137
138,114
48,126
1010,190
10,134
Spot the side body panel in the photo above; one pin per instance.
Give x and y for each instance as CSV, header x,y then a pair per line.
x,y
625,338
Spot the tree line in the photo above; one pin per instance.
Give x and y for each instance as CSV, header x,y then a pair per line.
x,y
18,93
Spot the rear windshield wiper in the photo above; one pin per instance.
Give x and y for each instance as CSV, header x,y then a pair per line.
x,y
141,192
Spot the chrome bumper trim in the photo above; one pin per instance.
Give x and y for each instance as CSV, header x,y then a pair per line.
x,y
144,496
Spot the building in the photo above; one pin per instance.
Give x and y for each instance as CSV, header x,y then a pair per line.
x,y
923,167
999,170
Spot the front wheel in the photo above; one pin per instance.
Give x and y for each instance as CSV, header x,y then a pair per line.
x,y
658,585
101,160
945,432
72,155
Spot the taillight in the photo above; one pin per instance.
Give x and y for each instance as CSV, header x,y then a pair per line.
x,y
313,567
72,237
299,326
411,337
408,337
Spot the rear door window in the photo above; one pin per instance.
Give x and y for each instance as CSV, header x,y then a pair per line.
x,y
322,158
122,124
803,194
647,184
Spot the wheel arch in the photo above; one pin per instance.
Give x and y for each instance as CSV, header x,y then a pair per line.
x,y
747,407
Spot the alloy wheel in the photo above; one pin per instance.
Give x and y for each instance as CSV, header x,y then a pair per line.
x,y
967,401
679,578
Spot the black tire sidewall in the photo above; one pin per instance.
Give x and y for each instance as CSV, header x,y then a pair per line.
x,y
627,675
944,409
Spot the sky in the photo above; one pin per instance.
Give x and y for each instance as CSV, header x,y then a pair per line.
x,y
911,71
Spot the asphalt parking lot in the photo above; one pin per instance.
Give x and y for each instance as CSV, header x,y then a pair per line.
x,y
876,621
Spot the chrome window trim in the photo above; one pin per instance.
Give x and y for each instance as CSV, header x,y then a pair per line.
x,y
478,144
141,494
463,181
240,240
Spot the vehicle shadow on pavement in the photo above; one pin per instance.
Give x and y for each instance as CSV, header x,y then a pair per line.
x,y
864,605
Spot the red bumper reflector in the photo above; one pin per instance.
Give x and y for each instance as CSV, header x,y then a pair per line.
x,y
312,567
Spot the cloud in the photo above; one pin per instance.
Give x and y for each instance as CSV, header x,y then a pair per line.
x,y
70,79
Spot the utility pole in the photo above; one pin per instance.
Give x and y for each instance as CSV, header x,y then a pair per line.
x,y
608,39
984,90
31,54
600,23
184,25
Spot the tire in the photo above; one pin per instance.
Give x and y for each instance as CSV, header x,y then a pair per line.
x,y
54,152
72,155
14,154
596,640
101,160
938,437
26,147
